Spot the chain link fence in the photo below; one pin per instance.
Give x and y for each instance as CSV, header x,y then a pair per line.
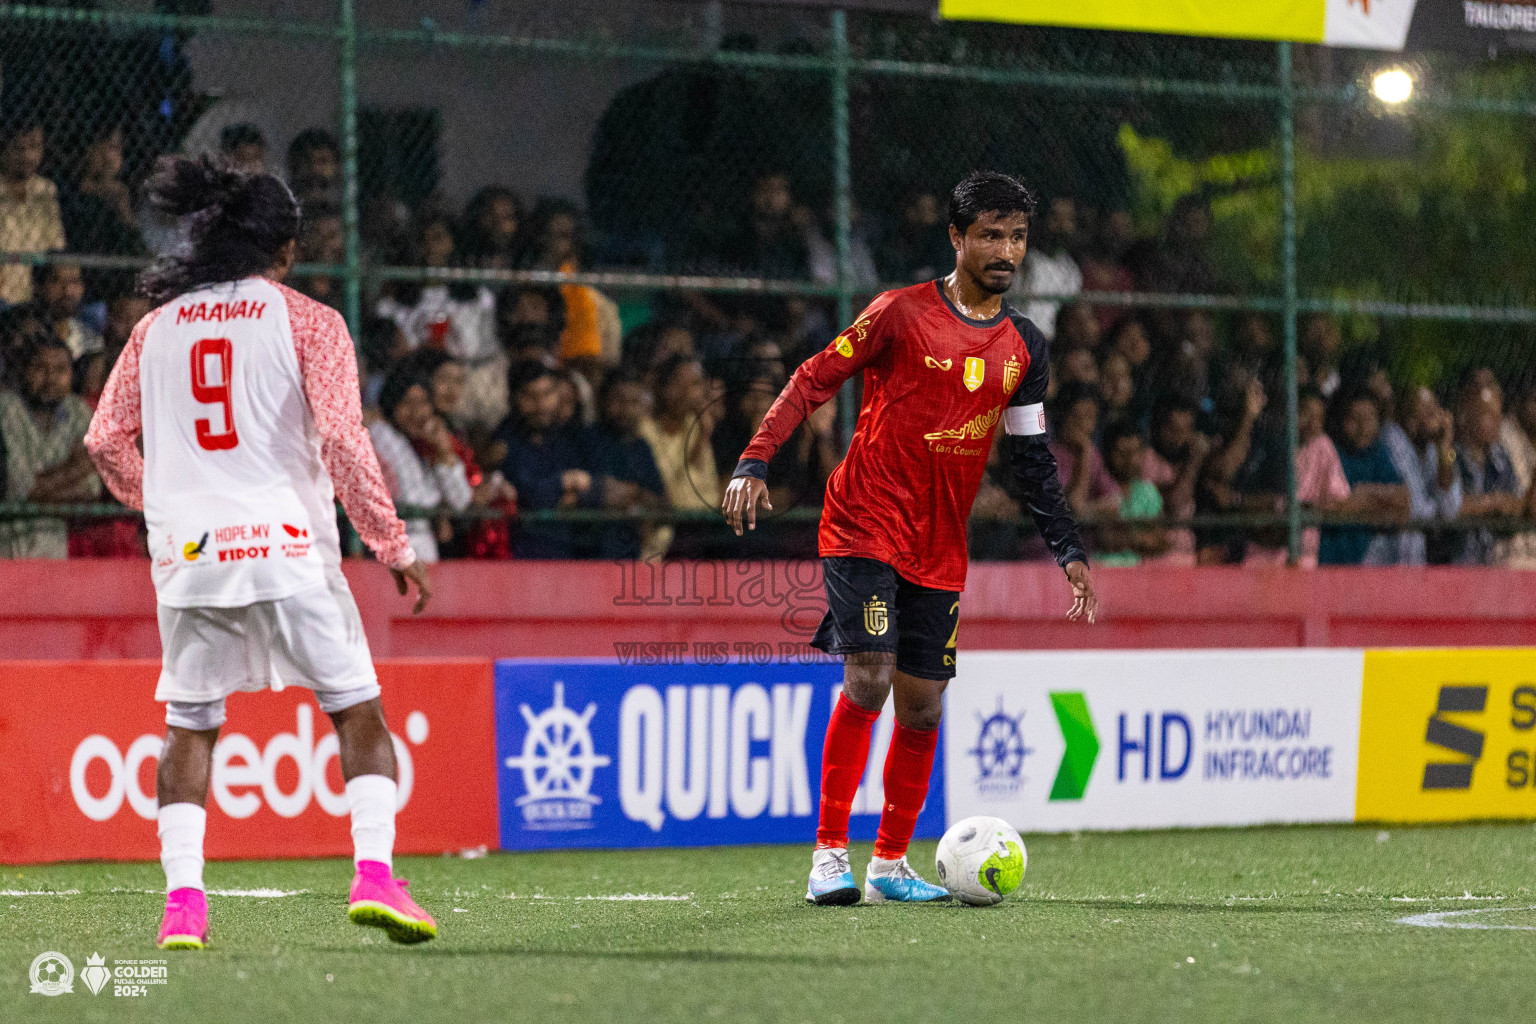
x,y
1238,244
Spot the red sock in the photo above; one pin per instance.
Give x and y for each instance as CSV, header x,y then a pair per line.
x,y
844,757
908,766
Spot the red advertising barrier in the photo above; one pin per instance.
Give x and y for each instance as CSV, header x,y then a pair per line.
x,y
106,608
80,742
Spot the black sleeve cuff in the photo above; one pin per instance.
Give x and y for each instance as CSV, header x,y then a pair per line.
x,y
1036,486
757,469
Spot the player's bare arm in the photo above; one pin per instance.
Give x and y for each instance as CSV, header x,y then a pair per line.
x,y
1085,603
415,573
742,496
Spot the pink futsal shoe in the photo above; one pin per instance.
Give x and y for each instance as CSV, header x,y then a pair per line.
x,y
381,902
185,925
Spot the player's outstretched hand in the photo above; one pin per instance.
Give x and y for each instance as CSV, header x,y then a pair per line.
x,y
1085,603
742,497
415,573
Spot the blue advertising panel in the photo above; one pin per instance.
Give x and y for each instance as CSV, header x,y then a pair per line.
x,y
598,754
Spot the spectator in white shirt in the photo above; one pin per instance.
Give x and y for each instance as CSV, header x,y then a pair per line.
x,y
1049,266
420,463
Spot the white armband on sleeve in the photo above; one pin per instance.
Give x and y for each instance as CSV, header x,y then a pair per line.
x,y
1024,420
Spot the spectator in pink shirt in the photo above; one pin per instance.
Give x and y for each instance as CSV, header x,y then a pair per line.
x,y
1320,481
1089,487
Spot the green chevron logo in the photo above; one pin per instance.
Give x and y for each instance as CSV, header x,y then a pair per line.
x,y
1082,746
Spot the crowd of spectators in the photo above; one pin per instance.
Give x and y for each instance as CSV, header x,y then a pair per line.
x,y
494,408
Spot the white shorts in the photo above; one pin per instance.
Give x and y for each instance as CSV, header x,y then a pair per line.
x,y
313,639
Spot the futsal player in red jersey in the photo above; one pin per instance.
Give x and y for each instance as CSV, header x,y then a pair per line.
x,y
943,363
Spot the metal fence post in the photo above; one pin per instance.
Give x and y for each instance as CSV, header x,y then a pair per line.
x,y
1288,278
847,411
353,284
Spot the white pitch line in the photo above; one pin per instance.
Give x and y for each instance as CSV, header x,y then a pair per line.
x,y
627,897
1442,919
39,892
1442,899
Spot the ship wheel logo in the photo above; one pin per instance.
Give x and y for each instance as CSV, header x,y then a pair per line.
x,y
1000,749
558,762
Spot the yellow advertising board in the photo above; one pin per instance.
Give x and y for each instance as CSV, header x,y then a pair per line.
x,y
1373,24
1447,735
1298,20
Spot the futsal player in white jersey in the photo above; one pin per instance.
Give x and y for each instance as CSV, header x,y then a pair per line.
x,y
246,395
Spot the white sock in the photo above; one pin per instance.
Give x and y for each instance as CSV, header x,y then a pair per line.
x,y
372,799
881,866
181,845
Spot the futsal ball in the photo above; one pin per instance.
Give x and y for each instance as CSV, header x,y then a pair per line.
x,y
981,860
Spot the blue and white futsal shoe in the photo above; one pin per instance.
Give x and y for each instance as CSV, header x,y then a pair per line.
x,y
832,883
894,881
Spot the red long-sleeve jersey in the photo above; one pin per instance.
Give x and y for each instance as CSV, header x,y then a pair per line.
x,y
936,384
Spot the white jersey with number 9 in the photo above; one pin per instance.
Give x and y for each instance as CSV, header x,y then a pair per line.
x,y
237,501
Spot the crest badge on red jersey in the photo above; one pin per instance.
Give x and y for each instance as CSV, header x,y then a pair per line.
x,y
975,371
1010,373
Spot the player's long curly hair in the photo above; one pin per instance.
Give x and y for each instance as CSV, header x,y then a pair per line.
x,y
234,225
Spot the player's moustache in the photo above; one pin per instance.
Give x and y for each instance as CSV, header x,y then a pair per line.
x,y
1002,265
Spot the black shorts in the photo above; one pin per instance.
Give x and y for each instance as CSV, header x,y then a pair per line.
x,y
871,607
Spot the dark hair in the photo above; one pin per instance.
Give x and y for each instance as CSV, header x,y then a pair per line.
x,y
1116,432
309,141
236,224
1072,393
476,243
377,337
1170,404
521,374
42,273
615,378
987,192
1339,406
243,134
396,385
641,343
38,344
544,212
16,125
1125,323
554,301
669,366
425,362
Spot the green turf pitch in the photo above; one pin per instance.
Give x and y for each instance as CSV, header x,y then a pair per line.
x,y
1265,925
